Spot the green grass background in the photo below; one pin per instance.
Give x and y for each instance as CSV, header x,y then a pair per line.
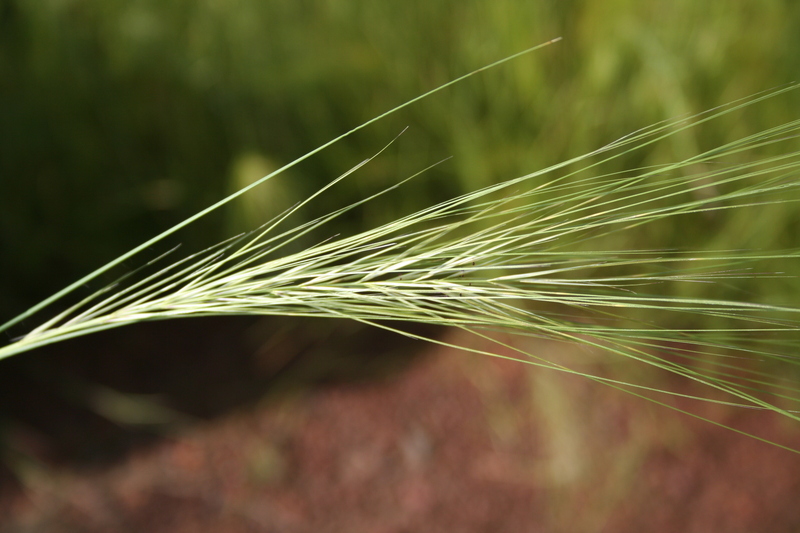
x,y
121,118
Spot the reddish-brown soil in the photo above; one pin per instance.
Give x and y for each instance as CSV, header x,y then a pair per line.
x,y
455,442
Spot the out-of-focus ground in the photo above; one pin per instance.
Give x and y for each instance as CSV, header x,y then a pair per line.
x,y
450,442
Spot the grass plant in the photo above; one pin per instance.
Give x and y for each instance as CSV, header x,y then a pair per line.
x,y
528,256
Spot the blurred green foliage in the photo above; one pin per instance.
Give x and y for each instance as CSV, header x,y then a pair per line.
x,y
121,118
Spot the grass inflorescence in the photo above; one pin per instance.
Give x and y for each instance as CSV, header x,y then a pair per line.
x,y
527,256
